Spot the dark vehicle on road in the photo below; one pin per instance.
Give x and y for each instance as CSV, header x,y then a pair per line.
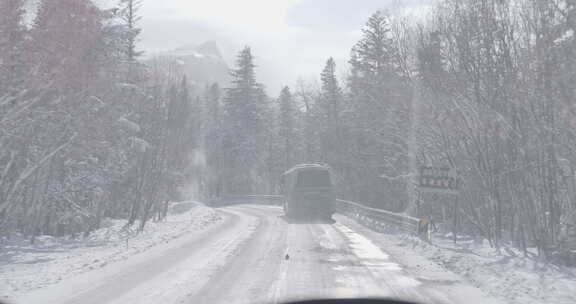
x,y
309,192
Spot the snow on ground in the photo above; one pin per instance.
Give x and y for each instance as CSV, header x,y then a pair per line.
x,y
25,267
442,267
504,274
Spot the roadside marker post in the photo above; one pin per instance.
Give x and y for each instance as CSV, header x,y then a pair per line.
x,y
443,180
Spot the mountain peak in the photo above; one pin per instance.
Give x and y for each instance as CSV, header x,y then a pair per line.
x,y
202,64
209,48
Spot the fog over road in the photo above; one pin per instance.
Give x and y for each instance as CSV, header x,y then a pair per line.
x,y
256,256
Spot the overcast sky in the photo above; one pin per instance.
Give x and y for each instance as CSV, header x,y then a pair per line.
x,y
289,38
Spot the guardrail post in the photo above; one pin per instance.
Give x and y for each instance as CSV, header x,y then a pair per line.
x,y
424,229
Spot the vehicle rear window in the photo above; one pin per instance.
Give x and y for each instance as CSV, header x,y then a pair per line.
x,y
315,178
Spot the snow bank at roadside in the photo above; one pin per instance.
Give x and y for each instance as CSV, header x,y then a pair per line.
x,y
503,274
25,267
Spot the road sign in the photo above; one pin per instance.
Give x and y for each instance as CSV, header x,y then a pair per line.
x,y
439,179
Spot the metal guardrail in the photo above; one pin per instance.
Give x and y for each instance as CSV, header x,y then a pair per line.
x,y
380,218
243,199
376,218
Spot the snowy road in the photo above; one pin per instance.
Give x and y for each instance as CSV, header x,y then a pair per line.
x,y
244,260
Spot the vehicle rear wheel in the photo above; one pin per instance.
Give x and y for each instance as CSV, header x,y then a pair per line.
x,y
327,217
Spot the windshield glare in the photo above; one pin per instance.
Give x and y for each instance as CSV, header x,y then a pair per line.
x,y
258,151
